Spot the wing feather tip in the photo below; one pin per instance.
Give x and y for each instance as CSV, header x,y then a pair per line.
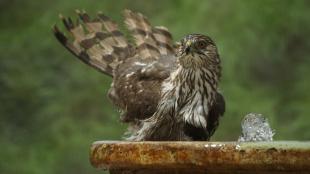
x,y
61,16
77,11
59,35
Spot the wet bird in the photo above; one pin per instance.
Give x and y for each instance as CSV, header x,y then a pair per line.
x,y
165,91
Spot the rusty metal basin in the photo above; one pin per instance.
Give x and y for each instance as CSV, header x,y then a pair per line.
x,y
201,157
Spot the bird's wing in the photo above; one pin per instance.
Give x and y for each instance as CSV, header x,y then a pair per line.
x,y
99,43
215,113
138,67
154,50
151,42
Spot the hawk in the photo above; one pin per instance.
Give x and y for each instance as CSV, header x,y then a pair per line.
x,y
165,91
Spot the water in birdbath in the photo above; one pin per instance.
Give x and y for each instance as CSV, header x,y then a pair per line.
x,y
255,127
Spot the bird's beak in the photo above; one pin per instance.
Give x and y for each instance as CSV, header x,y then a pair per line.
x,y
188,46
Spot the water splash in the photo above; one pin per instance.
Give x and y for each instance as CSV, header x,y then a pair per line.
x,y
255,127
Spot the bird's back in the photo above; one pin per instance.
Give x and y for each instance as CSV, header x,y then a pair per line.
x,y
137,85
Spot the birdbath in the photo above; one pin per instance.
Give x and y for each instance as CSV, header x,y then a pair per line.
x,y
201,157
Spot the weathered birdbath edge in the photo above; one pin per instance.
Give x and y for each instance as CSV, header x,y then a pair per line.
x,y
199,157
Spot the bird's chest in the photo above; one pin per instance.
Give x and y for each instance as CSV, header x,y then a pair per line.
x,y
194,88
193,100
194,95
187,96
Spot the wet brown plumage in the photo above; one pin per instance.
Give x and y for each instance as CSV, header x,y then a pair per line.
x,y
144,72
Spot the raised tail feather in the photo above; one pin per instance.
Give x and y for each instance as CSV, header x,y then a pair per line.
x,y
99,43
150,41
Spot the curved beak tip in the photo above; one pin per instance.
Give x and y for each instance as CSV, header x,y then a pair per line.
x,y
187,50
188,47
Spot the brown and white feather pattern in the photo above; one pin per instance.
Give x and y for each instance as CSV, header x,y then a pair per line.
x,y
137,68
164,40
176,99
97,42
142,32
187,97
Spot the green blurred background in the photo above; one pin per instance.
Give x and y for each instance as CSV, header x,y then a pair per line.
x,y
53,106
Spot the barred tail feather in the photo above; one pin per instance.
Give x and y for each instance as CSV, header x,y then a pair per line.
x,y
164,40
97,42
142,32
150,41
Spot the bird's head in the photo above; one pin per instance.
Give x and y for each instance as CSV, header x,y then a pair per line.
x,y
196,51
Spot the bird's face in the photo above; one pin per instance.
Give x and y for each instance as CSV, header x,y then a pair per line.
x,y
196,50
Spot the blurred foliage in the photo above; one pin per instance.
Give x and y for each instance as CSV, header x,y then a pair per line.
x,y
53,106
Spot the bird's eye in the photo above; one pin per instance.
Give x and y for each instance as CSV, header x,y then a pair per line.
x,y
201,44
